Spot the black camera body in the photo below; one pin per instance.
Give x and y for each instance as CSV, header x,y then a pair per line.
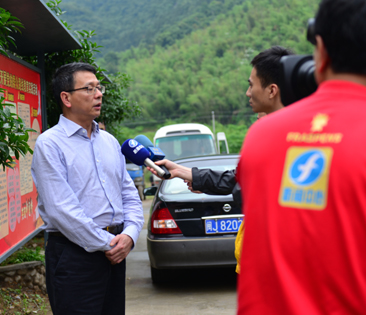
x,y
297,78
297,73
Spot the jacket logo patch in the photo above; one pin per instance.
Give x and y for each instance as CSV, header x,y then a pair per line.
x,y
319,122
305,178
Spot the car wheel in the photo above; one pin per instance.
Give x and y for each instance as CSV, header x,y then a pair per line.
x,y
158,275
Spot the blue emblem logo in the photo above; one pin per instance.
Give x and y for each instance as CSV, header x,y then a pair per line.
x,y
305,178
132,143
307,168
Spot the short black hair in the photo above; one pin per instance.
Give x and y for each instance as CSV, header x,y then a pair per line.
x,y
342,26
63,79
267,64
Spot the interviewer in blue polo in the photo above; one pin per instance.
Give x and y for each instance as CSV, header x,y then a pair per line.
x,y
87,200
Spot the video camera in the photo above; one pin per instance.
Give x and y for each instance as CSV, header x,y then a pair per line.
x,y
297,73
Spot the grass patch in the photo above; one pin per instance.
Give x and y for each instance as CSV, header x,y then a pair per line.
x,y
16,301
24,255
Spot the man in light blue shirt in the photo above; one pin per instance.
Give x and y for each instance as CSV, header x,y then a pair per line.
x,y
87,200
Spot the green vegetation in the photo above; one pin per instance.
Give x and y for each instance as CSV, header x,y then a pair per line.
x,y
188,58
208,70
13,135
185,58
16,301
124,24
8,24
24,255
13,132
115,105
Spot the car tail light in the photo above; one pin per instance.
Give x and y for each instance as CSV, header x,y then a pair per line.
x,y
162,222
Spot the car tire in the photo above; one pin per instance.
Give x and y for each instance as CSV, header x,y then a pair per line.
x,y
158,275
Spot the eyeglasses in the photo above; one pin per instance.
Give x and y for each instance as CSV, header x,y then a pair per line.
x,y
90,89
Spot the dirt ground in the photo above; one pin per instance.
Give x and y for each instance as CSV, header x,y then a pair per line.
x,y
18,300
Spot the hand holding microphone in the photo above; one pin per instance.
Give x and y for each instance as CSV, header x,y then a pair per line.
x,y
139,155
175,170
156,154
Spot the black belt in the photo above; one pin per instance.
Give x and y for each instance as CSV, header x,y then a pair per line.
x,y
113,229
56,234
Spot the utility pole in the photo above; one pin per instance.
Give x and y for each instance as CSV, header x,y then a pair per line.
x,y
213,123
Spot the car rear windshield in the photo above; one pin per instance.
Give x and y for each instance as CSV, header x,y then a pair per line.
x,y
178,186
175,147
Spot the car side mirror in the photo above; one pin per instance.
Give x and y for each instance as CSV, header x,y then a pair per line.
x,y
150,191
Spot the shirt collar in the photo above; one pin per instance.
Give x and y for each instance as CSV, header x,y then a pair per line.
x,y
342,87
95,127
71,127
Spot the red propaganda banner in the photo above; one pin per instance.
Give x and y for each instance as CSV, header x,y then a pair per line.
x,y
19,216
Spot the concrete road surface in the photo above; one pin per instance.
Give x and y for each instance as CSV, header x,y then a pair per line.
x,y
190,292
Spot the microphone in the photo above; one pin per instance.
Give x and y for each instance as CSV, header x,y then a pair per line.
x,y
137,154
156,154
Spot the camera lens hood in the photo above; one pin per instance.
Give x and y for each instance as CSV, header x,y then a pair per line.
x,y
297,78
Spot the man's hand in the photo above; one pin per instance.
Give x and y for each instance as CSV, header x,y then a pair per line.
x,y
122,246
174,169
189,184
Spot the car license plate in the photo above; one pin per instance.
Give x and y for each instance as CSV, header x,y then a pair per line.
x,y
221,226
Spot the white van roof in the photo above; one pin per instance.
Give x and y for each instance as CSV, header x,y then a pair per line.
x,y
181,128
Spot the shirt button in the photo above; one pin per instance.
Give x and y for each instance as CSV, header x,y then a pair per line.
x,y
98,161
114,220
83,131
103,181
86,247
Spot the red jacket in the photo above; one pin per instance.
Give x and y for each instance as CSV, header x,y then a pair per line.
x,y
303,178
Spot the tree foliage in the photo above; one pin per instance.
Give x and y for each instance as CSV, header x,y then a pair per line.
x,y
8,24
131,23
115,106
184,76
13,132
208,70
13,135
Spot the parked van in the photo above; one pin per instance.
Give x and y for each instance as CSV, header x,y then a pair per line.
x,y
183,140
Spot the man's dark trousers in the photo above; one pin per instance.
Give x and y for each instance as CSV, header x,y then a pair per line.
x,y
79,282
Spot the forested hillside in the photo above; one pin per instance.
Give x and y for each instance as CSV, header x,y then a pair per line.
x,y
208,70
188,58
120,24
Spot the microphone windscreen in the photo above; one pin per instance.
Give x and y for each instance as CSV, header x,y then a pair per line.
x,y
145,141
156,153
135,151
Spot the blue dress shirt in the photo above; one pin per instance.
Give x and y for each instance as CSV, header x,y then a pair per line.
x,y
83,185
